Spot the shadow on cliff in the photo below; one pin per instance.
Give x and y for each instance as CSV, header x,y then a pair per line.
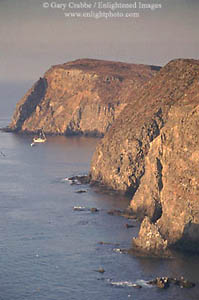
x,y
189,242
34,98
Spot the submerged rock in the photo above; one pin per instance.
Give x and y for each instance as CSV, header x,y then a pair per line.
x,y
2,154
94,209
80,191
108,243
121,251
115,212
100,270
79,179
137,286
82,208
79,208
127,213
129,225
183,283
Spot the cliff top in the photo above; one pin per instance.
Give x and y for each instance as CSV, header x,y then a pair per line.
x,y
104,67
81,97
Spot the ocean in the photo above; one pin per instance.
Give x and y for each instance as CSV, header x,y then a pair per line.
x,y
50,251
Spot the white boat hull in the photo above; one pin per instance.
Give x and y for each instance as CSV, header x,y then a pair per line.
x,y
39,140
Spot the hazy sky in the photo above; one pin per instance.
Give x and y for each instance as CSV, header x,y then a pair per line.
x,y
33,38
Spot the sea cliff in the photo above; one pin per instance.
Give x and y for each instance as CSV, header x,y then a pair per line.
x,y
80,97
151,152
150,118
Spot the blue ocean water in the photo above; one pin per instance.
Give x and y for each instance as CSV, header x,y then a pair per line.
x,y
49,251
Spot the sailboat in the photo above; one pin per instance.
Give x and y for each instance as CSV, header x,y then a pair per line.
x,y
41,138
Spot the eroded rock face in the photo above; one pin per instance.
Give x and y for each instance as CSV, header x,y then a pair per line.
x,y
150,240
119,160
151,151
170,185
80,97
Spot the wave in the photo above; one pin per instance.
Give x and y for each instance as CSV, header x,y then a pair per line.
x,y
136,284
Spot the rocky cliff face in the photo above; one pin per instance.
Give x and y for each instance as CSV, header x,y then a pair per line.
x,y
151,151
80,97
171,180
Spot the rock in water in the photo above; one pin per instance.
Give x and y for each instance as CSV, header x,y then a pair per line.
x,y
81,191
80,97
164,282
150,241
94,210
151,152
100,270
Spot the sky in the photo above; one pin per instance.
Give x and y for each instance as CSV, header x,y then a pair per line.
x,y
34,37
